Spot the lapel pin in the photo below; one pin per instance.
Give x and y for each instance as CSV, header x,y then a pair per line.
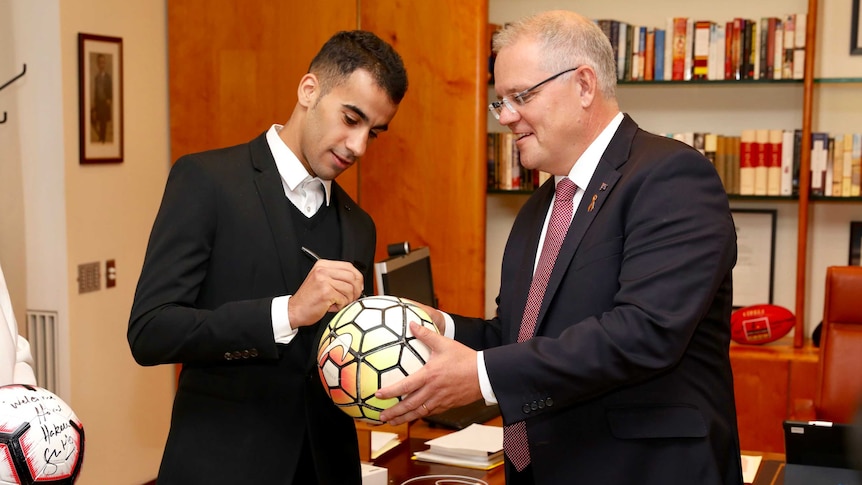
x,y
603,187
592,203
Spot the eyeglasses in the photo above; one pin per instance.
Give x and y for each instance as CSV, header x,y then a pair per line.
x,y
522,98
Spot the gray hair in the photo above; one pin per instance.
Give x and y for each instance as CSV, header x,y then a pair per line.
x,y
568,40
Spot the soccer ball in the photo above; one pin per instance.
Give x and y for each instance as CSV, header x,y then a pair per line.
x,y
368,345
41,439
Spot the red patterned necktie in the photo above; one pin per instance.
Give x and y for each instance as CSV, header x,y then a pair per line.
x,y
515,435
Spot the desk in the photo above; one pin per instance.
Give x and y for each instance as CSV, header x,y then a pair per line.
x,y
402,467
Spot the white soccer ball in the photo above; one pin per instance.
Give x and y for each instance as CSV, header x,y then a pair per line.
x,y
41,438
368,345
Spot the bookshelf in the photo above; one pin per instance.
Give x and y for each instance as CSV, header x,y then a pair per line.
x,y
728,107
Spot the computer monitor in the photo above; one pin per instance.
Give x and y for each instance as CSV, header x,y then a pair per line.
x,y
407,276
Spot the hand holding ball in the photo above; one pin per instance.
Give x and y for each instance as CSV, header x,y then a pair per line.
x,y
368,345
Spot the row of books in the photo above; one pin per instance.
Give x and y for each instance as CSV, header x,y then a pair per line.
x,y
757,162
688,49
766,161
504,166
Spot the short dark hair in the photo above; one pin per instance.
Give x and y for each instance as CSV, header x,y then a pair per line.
x,y
348,51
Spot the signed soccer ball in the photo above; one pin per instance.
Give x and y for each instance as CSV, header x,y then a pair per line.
x,y
41,438
368,345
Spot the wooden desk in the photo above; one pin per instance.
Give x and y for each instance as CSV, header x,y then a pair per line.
x,y
766,381
401,466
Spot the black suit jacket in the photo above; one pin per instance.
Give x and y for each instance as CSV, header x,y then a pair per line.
x,y
222,246
628,378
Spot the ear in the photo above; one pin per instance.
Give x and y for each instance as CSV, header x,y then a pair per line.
x,y
308,90
589,85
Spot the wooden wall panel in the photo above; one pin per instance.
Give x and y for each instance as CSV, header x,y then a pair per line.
x,y
234,68
234,71
424,180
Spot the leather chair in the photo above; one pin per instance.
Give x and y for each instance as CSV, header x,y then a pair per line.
x,y
839,387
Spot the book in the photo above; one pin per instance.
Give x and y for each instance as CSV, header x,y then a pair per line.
x,y
658,68
819,146
476,446
759,156
701,49
799,46
838,166
847,176
787,163
773,162
856,166
678,42
746,162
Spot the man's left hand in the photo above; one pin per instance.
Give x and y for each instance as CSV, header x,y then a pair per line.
x,y
449,379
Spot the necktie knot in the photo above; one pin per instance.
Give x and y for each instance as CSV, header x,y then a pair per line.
x,y
565,189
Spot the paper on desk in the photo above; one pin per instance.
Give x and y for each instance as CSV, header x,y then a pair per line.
x,y
750,465
382,441
475,440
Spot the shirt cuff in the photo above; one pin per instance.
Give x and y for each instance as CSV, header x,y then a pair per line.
x,y
484,382
281,328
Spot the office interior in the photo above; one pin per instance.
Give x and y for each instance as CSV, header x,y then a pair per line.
x,y
56,213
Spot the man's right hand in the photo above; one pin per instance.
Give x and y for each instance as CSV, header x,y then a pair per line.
x,y
329,287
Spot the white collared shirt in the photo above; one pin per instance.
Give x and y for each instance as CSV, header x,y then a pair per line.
x,y
304,192
581,174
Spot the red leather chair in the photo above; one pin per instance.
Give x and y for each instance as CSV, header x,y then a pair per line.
x,y
839,385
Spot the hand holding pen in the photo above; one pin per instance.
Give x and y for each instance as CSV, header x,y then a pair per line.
x,y
328,287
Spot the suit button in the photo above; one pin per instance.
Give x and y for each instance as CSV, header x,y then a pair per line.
x,y
549,402
252,352
526,409
541,404
227,356
534,406
236,354
245,354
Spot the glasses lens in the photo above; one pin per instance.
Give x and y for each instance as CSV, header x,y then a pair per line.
x,y
495,108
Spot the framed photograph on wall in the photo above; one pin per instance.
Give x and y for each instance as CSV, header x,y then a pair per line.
x,y
755,261
100,89
855,258
855,30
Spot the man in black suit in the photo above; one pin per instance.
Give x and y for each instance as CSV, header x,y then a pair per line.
x,y
227,291
622,372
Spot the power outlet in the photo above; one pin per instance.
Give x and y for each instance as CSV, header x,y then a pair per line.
x,y
110,273
89,277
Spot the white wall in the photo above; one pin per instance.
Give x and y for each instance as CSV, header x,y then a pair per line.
x,y
57,214
726,109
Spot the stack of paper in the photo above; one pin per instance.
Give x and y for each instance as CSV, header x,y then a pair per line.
x,y
476,446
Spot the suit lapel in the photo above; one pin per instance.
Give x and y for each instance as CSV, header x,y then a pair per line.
x,y
271,191
601,185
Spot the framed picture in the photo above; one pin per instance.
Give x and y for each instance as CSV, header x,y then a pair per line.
x,y
856,30
855,258
755,261
100,86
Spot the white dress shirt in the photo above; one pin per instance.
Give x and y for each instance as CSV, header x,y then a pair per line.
x,y
581,173
305,192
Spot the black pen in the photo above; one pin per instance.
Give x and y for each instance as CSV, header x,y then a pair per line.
x,y
316,257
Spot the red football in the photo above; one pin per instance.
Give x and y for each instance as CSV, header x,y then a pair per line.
x,y
760,324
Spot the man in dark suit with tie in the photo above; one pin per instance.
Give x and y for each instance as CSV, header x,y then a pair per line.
x,y
227,291
609,352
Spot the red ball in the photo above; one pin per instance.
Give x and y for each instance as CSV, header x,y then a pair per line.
x,y
760,324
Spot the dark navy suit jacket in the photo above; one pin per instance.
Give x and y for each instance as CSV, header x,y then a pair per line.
x,y
627,379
